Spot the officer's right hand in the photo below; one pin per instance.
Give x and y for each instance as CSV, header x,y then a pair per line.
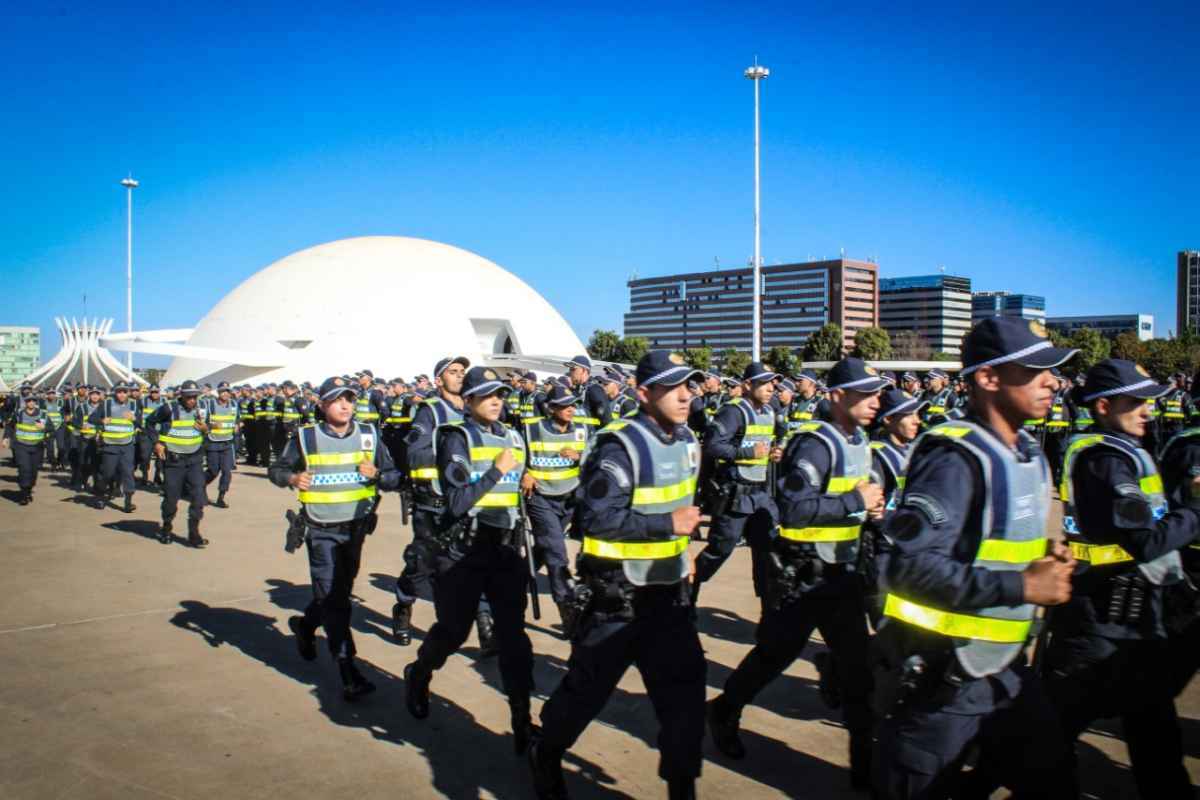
x,y
505,461
872,497
160,451
761,449
685,520
1047,581
301,480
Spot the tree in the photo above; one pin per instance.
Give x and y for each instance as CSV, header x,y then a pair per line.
x,y
825,344
909,345
699,357
781,359
1127,346
941,356
631,349
734,362
872,344
603,345
1093,348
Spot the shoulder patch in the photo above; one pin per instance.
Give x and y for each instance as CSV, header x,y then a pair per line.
x,y
810,473
617,472
927,505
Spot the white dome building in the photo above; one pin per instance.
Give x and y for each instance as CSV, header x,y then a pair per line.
x,y
391,304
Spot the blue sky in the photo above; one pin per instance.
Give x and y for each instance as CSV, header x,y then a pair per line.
x,y
1047,151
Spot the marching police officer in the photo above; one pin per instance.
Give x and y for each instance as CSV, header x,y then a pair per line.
x,y
556,447
264,417
289,411
479,464
145,447
56,440
940,396
370,407
1175,407
967,565
807,405
177,430
117,419
337,467
592,402
1058,427
1108,653
740,442
223,413
637,513
31,426
85,467
249,417
824,494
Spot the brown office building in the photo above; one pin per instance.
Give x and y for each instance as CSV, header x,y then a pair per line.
x,y
1187,291
715,309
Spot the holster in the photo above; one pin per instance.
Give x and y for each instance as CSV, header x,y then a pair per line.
x,y
719,496
789,574
297,531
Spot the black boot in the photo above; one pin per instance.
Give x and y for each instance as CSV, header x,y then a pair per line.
x,y
221,501
101,492
194,537
723,724
416,689
354,685
681,789
827,685
546,765
129,506
860,762
569,615
26,497
524,731
402,624
486,629
306,639
164,533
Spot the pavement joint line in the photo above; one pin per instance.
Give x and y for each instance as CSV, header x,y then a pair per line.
x,y
110,617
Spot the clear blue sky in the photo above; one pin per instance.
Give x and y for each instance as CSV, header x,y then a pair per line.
x,y
1047,151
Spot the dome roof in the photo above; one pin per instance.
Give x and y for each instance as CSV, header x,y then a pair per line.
x,y
391,304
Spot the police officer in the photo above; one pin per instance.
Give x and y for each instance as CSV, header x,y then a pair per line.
x,y
218,444
369,407
1058,427
1175,407
591,399
808,577
556,447
56,440
177,430
289,411
703,408
31,426
480,461
1108,653
637,513
145,447
396,422
117,419
265,417
529,390
85,466
940,396
967,565
249,417
338,469
807,405
911,384
740,442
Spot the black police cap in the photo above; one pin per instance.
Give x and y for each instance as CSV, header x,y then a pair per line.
x,y
1116,376
335,387
897,401
560,396
664,368
1003,340
757,372
440,367
854,374
483,381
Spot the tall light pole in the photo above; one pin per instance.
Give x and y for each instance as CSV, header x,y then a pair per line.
x,y
756,74
130,184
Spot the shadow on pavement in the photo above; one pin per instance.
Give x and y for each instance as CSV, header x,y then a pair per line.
x,y
145,528
465,758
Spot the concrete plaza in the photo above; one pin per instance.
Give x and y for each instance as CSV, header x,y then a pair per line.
x,y
131,669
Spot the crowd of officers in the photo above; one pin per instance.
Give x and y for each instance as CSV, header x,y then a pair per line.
x,y
904,519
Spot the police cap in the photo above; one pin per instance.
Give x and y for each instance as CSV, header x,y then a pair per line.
x,y
1000,340
854,374
786,385
335,387
483,381
757,372
441,366
580,361
664,368
1116,376
895,402
560,396
807,375
189,389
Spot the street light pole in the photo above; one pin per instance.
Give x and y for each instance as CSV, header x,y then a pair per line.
x,y
755,74
130,184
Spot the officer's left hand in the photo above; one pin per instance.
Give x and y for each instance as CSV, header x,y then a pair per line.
x,y
200,426
527,484
368,470
569,454
776,454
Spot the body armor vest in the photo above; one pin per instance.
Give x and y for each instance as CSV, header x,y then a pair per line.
x,y
500,506
117,425
664,479
364,410
1015,508
54,412
758,426
835,541
183,437
29,428
222,421
83,417
426,474
339,493
895,462
555,475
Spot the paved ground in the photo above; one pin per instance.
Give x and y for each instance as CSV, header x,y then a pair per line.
x,y
131,669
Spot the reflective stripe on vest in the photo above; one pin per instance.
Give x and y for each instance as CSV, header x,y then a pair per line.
x,y
222,421
1083,418
290,414
836,542
664,479
115,429
54,413
396,415
426,471
363,410
1058,416
499,506
1167,568
758,427
183,437
339,493
1014,516
26,428
554,474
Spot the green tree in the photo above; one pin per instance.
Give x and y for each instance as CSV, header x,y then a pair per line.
x,y
1164,357
825,344
699,357
781,359
872,344
734,362
941,356
1093,348
603,345
1127,346
909,345
631,349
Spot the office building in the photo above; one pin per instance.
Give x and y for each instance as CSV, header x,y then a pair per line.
x,y
715,309
1006,304
936,307
1110,325
20,352
1187,291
